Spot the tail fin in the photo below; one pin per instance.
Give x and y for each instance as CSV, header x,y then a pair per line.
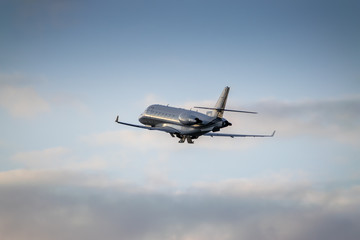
x,y
219,109
220,104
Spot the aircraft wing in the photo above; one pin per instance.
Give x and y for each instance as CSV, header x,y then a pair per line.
x,y
164,129
131,125
235,135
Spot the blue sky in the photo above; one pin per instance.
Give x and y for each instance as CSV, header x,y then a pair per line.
x,y
67,68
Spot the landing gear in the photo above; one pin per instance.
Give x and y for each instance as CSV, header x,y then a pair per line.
x,y
182,139
189,139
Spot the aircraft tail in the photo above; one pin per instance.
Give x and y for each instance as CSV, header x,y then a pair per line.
x,y
220,104
219,109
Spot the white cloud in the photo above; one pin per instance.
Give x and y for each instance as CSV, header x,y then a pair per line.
x,y
59,158
251,187
94,163
278,188
60,177
42,158
146,140
68,101
135,138
35,177
157,174
22,102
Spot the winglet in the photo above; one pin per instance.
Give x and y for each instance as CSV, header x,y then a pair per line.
x,y
117,118
273,134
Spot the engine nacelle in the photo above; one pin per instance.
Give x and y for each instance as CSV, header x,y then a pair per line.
x,y
188,119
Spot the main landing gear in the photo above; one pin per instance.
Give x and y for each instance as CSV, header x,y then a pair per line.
x,y
189,139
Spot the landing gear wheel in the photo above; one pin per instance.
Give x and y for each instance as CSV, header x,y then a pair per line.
x,y
182,139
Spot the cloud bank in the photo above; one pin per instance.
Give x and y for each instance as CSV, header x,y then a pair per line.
x,y
337,118
62,205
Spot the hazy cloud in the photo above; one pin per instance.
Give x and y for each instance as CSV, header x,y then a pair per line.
x,y
57,177
146,140
37,177
58,158
141,139
63,209
68,101
19,99
337,118
41,157
22,102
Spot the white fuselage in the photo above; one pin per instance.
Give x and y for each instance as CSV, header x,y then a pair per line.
x,y
186,122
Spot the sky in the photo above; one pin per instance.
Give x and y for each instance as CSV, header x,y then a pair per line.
x,y
68,68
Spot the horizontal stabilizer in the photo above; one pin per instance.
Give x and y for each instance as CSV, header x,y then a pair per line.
x,y
228,110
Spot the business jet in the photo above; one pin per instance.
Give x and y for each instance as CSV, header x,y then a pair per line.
x,y
187,124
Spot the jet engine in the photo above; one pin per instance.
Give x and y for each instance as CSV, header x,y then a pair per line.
x,y
188,119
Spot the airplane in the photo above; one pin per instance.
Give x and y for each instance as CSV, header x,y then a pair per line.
x,y
188,124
